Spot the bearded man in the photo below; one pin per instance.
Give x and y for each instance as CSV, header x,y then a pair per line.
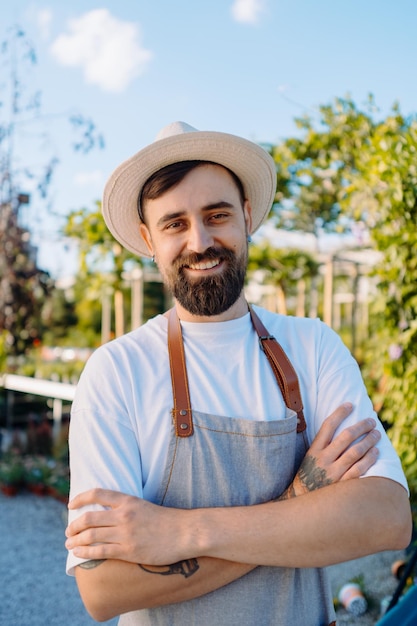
x,y
221,455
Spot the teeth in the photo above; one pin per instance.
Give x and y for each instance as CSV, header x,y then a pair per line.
x,y
204,266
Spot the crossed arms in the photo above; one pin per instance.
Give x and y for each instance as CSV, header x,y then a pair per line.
x,y
327,515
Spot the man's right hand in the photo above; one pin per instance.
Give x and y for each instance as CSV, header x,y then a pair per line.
x,y
332,459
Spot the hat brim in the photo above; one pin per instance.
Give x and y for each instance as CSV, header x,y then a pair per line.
x,y
252,164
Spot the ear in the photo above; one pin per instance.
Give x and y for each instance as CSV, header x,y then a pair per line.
x,y
247,213
146,236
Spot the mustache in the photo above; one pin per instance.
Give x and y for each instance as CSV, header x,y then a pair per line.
x,y
211,254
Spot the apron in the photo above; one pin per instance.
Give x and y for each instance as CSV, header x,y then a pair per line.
x,y
218,461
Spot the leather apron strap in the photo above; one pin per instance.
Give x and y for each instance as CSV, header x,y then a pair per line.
x,y
181,413
280,364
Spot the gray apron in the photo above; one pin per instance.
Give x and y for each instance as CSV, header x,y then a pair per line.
x,y
225,461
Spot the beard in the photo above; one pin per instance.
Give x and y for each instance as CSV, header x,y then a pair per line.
x,y
212,295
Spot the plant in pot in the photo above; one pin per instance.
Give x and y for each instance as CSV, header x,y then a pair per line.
x,y
37,473
59,482
12,474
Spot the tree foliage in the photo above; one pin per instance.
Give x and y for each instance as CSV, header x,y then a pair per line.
x,y
315,169
348,167
102,266
386,189
97,247
24,286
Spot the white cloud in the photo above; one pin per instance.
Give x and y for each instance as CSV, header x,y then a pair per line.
x,y
107,49
248,11
84,179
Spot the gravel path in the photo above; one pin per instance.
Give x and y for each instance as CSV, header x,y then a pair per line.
x,y
35,590
379,583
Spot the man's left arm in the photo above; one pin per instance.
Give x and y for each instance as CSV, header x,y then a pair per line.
x,y
339,522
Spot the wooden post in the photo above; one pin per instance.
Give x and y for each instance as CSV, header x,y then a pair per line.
x,y
354,319
119,322
137,297
301,298
57,416
281,302
328,292
105,317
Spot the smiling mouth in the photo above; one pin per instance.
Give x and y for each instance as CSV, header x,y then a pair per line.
x,y
203,265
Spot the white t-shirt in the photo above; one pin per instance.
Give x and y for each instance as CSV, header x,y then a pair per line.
x,y
121,415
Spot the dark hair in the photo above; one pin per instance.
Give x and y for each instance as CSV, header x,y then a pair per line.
x,y
171,175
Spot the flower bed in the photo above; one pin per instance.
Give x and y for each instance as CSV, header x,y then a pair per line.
x,y
35,473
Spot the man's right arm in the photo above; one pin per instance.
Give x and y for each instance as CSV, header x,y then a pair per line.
x,y
129,587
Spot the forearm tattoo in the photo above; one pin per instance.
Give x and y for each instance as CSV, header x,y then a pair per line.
x,y
186,568
311,476
92,564
288,494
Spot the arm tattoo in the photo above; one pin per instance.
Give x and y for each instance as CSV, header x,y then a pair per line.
x,y
311,476
287,495
92,564
186,568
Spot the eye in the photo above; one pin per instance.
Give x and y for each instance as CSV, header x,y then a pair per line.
x,y
217,217
174,225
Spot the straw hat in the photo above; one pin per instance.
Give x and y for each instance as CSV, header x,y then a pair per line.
x,y
181,142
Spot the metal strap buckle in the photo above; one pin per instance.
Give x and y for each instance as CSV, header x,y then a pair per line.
x,y
262,338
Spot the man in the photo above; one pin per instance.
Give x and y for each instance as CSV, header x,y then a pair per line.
x,y
205,488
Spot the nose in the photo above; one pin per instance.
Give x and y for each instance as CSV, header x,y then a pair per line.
x,y
199,237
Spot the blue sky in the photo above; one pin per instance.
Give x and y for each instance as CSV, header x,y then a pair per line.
x,y
247,67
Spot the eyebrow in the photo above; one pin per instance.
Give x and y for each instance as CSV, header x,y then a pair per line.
x,y
221,204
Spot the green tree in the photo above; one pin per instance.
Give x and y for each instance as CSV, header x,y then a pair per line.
x,y
386,192
347,166
291,271
103,263
104,267
98,249
315,169
24,286
58,317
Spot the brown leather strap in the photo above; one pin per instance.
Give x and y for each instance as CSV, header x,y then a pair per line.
x,y
284,372
281,366
181,413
